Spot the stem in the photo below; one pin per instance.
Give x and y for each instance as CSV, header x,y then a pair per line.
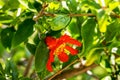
x,y
41,12
28,66
78,15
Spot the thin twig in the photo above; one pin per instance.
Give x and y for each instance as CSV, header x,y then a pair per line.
x,y
71,15
63,69
78,15
115,15
41,12
28,66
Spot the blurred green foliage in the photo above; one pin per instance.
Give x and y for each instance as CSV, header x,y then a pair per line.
x,y
24,24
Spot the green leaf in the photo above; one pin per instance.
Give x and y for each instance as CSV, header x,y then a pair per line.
x,y
11,4
59,22
31,48
24,78
113,4
71,59
102,18
112,29
72,4
6,19
27,4
93,55
91,4
41,56
88,33
42,75
11,69
73,28
2,78
37,5
6,37
1,70
25,29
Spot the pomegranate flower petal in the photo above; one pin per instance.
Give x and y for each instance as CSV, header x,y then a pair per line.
x,y
63,57
72,51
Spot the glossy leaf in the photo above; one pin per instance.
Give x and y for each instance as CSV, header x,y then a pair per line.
x,y
25,29
88,33
6,37
59,22
27,5
73,28
41,56
92,56
102,21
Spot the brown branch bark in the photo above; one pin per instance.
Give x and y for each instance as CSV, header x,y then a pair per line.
x,y
60,71
71,15
28,66
72,72
78,15
41,12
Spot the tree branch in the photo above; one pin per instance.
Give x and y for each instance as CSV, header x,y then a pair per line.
x,y
72,72
28,66
41,12
60,71
78,15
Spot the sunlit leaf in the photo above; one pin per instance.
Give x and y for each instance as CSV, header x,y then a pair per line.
x,y
113,4
88,32
59,22
73,28
54,5
102,21
27,5
92,56
91,4
11,4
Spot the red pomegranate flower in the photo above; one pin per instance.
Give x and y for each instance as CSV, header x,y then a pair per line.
x,y
58,47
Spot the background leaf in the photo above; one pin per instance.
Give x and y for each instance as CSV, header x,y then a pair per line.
x,y
25,29
31,48
6,36
11,69
112,30
6,18
41,56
